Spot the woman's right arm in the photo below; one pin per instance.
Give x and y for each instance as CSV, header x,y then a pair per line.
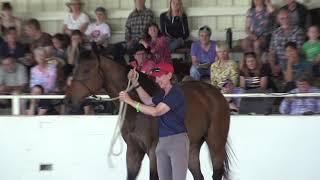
x,y
144,96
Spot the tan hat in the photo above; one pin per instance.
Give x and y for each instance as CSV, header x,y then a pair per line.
x,y
74,2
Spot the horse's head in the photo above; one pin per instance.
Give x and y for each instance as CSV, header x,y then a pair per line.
x,y
93,74
86,80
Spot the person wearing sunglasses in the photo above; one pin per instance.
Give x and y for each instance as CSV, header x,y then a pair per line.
x,y
203,54
169,106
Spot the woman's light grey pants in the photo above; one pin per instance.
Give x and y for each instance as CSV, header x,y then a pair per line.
x,y
172,154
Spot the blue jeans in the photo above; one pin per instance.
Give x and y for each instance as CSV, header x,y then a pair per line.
x,y
196,73
175,44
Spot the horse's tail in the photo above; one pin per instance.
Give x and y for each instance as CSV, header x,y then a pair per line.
x,y
229,155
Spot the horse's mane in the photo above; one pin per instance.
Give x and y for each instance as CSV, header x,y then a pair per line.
x,y
146,81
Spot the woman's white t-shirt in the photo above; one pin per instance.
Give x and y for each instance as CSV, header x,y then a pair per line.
x,y
74,24
96,31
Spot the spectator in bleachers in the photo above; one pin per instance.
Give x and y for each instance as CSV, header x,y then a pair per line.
x,y
296,65
8,20
75,48
311,48
203,54
39,106
156,43
39,38
135,26
60,69
11,46
284,34
137,22
301,105
274,72
99,32
141,61
174,25
228,87
76,19
223,68
258,26
298,13
60,44
13,76
253,74
43,73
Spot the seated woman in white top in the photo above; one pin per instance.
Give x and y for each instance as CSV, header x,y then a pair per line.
x,y
99,31
76,19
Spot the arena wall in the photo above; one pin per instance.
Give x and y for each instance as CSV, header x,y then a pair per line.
x,y
75,148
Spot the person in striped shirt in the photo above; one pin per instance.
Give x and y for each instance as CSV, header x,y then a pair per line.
x,y
301,105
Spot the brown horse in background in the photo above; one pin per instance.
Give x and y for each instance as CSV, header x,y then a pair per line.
x,y
207,119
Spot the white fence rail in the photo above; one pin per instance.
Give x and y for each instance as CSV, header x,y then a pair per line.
x,y
15,99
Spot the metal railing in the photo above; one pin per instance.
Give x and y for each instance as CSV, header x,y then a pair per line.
x,y
15,99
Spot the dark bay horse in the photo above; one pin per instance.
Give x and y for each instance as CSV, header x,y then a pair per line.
x,y
207,118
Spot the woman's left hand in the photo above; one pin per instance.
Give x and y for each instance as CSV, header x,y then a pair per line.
x,y
124,96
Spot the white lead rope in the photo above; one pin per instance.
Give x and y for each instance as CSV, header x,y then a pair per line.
x,y
121,116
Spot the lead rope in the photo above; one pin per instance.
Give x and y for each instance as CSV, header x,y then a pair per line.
x,y
122,114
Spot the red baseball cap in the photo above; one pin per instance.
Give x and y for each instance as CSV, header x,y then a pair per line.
x,y
161,69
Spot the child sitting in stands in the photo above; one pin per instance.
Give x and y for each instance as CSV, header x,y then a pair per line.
x,y
311,48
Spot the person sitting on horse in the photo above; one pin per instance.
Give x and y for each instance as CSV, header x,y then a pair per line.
x,y
172,150
141,61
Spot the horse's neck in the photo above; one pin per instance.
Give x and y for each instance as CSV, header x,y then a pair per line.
x,y
115,78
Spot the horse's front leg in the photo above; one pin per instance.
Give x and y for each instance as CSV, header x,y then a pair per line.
x,y
153,162
134,158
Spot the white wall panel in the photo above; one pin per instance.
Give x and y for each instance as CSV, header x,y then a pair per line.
x,y
111,4
224,22
224,2
204,3
266,148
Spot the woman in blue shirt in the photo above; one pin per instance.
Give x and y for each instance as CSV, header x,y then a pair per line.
x,y
203,54
172,151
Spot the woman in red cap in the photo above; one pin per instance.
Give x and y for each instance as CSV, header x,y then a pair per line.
x,y
169,105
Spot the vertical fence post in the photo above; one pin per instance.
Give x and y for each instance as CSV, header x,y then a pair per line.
x,y
15,105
